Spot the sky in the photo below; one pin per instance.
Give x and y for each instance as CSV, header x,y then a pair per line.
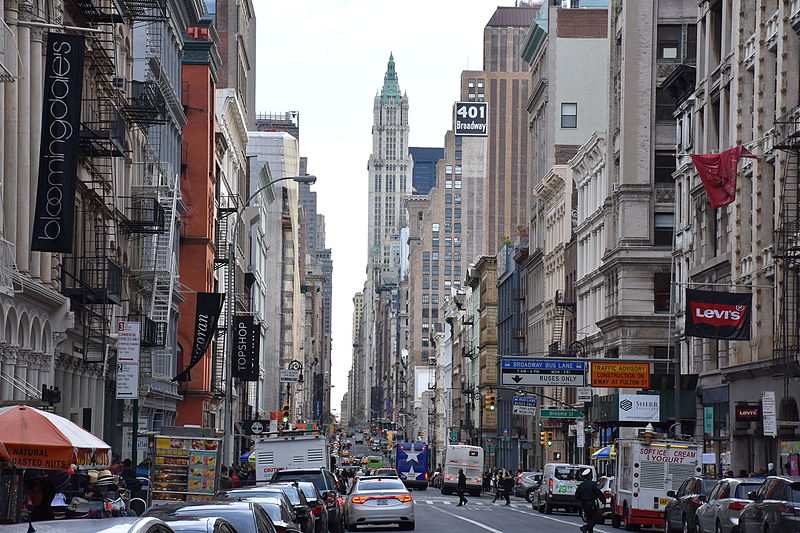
x,y
326,59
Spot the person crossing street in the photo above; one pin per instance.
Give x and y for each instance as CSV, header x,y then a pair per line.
x,y
587,494
508,486
462,487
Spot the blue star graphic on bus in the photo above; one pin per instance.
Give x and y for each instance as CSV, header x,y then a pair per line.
x,y
412,455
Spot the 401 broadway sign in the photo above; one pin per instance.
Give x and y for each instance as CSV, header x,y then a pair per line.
x,y
718,315
54,216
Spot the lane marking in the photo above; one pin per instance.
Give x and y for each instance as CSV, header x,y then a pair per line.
x,y
429,502
487,528
558,520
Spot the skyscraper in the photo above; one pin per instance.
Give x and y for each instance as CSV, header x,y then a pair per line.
x,y
423,173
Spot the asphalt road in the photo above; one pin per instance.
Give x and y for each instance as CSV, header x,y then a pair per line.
x,y
435,513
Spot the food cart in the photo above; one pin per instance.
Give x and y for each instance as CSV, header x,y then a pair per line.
x,y
185,466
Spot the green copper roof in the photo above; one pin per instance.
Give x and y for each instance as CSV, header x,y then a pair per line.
x,y
391,88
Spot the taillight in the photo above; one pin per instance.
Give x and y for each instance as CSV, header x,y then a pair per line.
x,y
330,497
607,495
359,499
786,508
696,500
737,506
550,486
426,475
405,498
317,511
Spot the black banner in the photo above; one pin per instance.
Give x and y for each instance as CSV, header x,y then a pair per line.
x,y
209,307
255,427
718,315
247,335
54,219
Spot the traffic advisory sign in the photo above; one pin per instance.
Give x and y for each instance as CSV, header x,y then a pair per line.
x,y
522,405
540,372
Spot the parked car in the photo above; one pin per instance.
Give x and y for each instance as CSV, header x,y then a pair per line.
x,y
212,524
680,511
386,472
246,517
325,482
378,501
102,525
775,507
281,514
526,483
318,507
719,513
557,489
300,505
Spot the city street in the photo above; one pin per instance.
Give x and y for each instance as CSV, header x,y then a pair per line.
x,y
436,514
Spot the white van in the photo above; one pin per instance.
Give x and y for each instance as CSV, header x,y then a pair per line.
x,y
559,482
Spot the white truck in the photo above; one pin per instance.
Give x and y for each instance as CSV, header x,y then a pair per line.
x,y
644,473
290,452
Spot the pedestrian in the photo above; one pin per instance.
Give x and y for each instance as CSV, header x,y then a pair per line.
x,y
462,487
771,469
225,480
743,473
508,486
587,494
487,481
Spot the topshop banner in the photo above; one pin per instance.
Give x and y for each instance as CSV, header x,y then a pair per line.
x,y
209,307
248,340
54,217
718,315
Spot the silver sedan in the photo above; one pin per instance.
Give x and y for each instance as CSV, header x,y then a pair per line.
x,y
379,500
719,513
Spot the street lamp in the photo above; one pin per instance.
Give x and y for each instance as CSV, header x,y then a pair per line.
x,y
227,440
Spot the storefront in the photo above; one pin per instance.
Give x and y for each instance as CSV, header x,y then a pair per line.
x,y
715,414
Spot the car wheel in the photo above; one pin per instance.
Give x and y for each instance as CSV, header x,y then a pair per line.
x,y
352,527
529,495
548,509
766,528
406,526
718,527
686,527
616,521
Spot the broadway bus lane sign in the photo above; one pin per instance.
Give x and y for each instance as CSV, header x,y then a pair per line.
x,y
542,372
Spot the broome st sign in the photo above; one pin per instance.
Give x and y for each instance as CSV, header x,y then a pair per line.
x,y
54,215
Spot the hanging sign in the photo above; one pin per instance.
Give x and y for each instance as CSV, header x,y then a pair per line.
x,y
207,311
639,408
542,372
128,342
247,336
620,375
769,413
127,381
54,214
718,315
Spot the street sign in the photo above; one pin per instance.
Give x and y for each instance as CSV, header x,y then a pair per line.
x,y
128,342
580,434
290,375
522,405
768,413
621,375
542,372
560,413
471,119
491,448
127,382
584,394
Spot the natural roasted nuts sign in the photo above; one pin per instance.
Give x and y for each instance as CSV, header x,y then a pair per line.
x,y
621,375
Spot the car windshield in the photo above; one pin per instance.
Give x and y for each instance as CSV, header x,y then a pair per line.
x,y
293,494
380,484
743,488
273,509
568,473
707,486
309,490
253,493
241,517
315,478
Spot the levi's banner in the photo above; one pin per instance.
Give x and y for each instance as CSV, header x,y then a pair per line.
x,y
248,340
718,315
54,217
209,307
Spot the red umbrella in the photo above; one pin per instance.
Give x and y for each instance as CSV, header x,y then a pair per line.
x,y
38,439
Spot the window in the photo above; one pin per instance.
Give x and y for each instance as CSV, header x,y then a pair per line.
x,y
457,212
661,292
435,271
448,198
448,270
448,169
434,284
426,270
426,256
458,170
447,284
426,299
457,227
480,83
457,198
457,185
458,140
471,82
425,342
435,242
664,224
457,271
435,227
425,312
448,242
457,242
434,313
425,326
456,256
471,96
664,167
691,44
669,41
448,228
434,298
426,284
458,155
665,106
448,256
569,115
435,256
448,184
448,212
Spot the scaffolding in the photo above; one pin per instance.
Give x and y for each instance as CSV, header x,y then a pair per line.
x,y
787,249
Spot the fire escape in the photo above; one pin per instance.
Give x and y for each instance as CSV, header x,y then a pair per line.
x,y
787,250
226,213
91,275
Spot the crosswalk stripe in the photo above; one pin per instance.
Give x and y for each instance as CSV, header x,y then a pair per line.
x,y
429,502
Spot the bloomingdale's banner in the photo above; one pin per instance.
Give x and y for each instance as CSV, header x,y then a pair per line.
x,y
54,217
718,315
209,307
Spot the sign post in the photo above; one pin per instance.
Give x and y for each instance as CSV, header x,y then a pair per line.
x,y
542,372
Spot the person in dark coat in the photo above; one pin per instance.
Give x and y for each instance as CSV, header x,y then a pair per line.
x,y
462,487
508,486
40,496
587,494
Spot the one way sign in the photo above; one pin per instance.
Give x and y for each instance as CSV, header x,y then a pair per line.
x,y
543,372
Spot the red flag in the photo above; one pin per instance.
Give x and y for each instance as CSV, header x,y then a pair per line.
x,y
718,174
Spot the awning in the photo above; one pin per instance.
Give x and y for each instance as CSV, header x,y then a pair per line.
x,y
248,457
605,453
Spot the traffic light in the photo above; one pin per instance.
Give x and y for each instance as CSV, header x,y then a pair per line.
x,y
285,414
542,438
490,402
549,438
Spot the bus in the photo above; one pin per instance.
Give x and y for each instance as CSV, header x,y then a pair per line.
x,y
411,463
470,458
373,461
